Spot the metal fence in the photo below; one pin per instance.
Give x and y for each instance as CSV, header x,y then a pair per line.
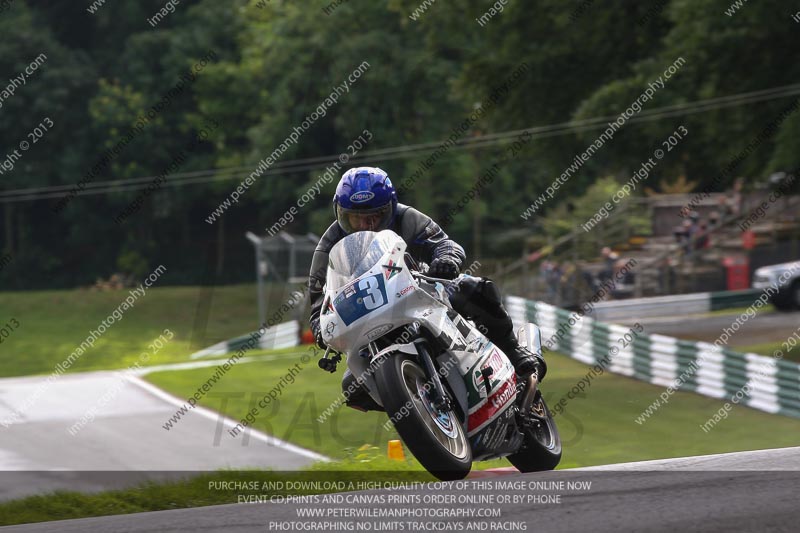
x,y
283,258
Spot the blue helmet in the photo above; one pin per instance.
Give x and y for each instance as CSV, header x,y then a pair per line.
x,y
365,199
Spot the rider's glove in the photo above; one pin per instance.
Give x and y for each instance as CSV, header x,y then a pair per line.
x,y
317,331
443,267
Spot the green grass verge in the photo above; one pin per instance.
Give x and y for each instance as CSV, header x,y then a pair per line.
x,y
599,428
52,324
770,349
764,348
769,308
293,415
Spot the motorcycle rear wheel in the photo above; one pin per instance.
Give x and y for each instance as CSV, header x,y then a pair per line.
x,y
541,449
435,437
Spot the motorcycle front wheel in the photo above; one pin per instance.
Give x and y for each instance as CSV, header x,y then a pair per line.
x,y
436,437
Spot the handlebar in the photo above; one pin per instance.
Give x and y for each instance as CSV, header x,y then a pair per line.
x,y
329,365
419,270
431,279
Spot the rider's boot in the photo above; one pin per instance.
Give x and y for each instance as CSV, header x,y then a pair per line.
x,y
356,395
525,362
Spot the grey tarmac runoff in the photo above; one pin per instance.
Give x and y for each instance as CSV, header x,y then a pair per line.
x,y
126,435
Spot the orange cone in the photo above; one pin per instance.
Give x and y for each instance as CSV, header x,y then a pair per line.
x,y
396,450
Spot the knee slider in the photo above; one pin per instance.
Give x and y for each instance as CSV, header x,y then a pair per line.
x,y
461,298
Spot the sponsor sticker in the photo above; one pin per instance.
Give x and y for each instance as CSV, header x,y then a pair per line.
x,y
376,332
405,291
361,197
491,409
391,269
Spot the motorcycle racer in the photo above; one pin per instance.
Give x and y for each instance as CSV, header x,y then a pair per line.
x,y
365,200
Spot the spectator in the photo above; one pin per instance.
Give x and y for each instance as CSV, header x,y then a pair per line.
x,y
623,282
568,285
713,219
554,281
689,230
735,201
725,206
680,233
703,241
548,271
608,265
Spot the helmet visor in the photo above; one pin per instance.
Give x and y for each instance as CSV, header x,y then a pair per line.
x,y
352,220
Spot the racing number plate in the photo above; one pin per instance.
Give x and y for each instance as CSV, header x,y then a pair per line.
x,y
361,298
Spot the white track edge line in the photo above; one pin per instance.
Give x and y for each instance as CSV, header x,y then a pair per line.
x,y
213,415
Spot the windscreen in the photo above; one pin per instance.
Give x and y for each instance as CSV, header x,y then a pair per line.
x,y
356,254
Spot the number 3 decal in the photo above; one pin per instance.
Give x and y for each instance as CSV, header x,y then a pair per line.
x,y
373,299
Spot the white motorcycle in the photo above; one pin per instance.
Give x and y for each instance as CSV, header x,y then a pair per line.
x,y
452,395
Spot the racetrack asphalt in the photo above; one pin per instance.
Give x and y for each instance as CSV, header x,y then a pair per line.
x,y
746,491
126,435
762,328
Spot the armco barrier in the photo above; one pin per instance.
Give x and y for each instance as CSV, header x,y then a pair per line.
x,y
728,299
690,366
285,335
674,305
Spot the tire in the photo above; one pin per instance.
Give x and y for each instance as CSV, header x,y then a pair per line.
x,y
541,449
440,445
783,301
795,292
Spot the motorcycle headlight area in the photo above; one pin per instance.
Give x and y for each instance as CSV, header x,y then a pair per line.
x,y
361,298
354,275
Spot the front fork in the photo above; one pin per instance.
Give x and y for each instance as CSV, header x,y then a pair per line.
x,y
439,398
